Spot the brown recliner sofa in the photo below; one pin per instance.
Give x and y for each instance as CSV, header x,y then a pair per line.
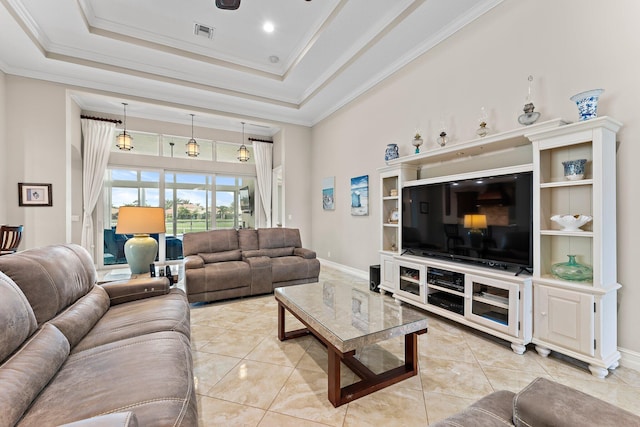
x,y
73,352
221,264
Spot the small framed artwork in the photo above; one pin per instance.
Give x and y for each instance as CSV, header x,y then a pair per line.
x,y
328,185
34,194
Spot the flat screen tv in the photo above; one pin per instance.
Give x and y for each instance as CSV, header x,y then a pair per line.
x,y
486,220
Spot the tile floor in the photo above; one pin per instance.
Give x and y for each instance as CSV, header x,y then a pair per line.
x,y
246,377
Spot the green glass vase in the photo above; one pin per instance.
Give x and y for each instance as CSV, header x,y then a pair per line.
x,y
572,270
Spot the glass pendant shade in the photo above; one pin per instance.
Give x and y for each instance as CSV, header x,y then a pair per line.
x,y
124,140
243,151
193,149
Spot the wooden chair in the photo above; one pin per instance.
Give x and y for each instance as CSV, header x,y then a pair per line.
x,y
10,237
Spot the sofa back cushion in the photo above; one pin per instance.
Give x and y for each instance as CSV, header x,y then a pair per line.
x,y
248,239
79,318
271,253
269,238
52,277
235,255
26,373
209,242
16,317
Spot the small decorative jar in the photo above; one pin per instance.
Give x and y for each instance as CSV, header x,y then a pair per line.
x,y
391,152
572,270
574,169
417,142
587,103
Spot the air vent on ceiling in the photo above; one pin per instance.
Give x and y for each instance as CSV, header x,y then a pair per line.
x,y
203,30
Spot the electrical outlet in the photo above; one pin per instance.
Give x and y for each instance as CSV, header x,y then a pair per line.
x,y
329,254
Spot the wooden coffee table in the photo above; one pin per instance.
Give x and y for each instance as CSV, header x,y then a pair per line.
x,y
346,317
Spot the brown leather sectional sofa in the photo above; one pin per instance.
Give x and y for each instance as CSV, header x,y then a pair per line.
x,y
542,403
75,352
221,264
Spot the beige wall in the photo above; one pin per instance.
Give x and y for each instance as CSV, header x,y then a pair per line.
x,y
3,148
568,46
37,128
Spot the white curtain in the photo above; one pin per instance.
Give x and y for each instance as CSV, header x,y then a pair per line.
x,y
97,136
263,152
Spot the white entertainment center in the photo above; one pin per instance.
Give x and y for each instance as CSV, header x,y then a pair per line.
x,y
575,318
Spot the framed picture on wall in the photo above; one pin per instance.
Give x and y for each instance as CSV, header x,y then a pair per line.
x,y
360,195
34,194
328,189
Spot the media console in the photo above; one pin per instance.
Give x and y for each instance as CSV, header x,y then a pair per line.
x,y
486,299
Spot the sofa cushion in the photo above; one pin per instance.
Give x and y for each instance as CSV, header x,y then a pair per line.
x,y
248,239
493,410
547,403
209,241
235,255
271,253
278,238
149,375
78,319
16,317
284,269
168,312
26,373
52,278
119,419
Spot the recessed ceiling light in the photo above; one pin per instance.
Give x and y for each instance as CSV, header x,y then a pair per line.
x,y
274,59
268,27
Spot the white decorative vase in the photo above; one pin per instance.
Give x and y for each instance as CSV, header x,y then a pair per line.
x,y
587,103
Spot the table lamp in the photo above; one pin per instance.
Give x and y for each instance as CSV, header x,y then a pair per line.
x,y
475,223
141,249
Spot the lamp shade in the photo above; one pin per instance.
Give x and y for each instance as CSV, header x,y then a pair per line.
x,y
141,249
140,220
475,221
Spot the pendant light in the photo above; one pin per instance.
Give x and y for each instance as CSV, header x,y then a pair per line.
x,y
243,151
193,149
123,141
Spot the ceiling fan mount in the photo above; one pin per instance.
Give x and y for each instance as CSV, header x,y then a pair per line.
x,y
228,4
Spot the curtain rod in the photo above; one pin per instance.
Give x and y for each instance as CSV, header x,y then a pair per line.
x,y
260,140
101,119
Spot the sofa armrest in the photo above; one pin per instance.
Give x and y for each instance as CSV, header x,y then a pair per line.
x,y
119,419
545,402
304,253
134,289
192,262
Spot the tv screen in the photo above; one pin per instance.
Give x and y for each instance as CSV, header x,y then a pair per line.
x,y
487,219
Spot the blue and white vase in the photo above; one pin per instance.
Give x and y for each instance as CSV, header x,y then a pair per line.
x,y
391,152
574,169
587,103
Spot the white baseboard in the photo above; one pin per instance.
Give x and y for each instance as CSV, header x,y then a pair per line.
x,y
345,269
629,359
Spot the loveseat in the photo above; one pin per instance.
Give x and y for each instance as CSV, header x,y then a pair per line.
x,y
543,403
75,352
221,264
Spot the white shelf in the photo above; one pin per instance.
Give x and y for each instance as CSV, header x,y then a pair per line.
x,y
556,184
494,142
566,233
447,290
495,301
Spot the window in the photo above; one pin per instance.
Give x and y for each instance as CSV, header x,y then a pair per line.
x,y
189,202
228,152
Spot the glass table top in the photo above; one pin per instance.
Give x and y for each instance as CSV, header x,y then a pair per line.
x,y
349,315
